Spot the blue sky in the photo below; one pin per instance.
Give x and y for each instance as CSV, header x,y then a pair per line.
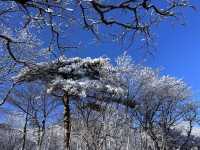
x,y
177,49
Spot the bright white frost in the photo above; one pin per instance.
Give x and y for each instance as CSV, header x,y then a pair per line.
x,y
76,76
97,77
146,84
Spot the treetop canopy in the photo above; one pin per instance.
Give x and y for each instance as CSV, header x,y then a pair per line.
x,y
76,76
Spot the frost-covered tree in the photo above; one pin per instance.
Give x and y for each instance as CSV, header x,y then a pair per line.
x,y
75,78
33,110
162,103
58,17
35,30
49,27
157,103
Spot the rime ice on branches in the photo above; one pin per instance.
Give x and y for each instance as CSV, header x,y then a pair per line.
x,y
76,76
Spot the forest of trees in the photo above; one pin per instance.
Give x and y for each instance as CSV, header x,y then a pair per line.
x,y
50,101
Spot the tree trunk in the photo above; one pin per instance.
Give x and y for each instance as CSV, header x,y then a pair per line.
x,y
67,122
25,132
43,134
25,129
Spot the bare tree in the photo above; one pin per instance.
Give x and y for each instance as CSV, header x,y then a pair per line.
x,y
163,104
104,97
58,18
37,107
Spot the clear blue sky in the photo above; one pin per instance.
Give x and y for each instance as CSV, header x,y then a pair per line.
x,y
178,50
